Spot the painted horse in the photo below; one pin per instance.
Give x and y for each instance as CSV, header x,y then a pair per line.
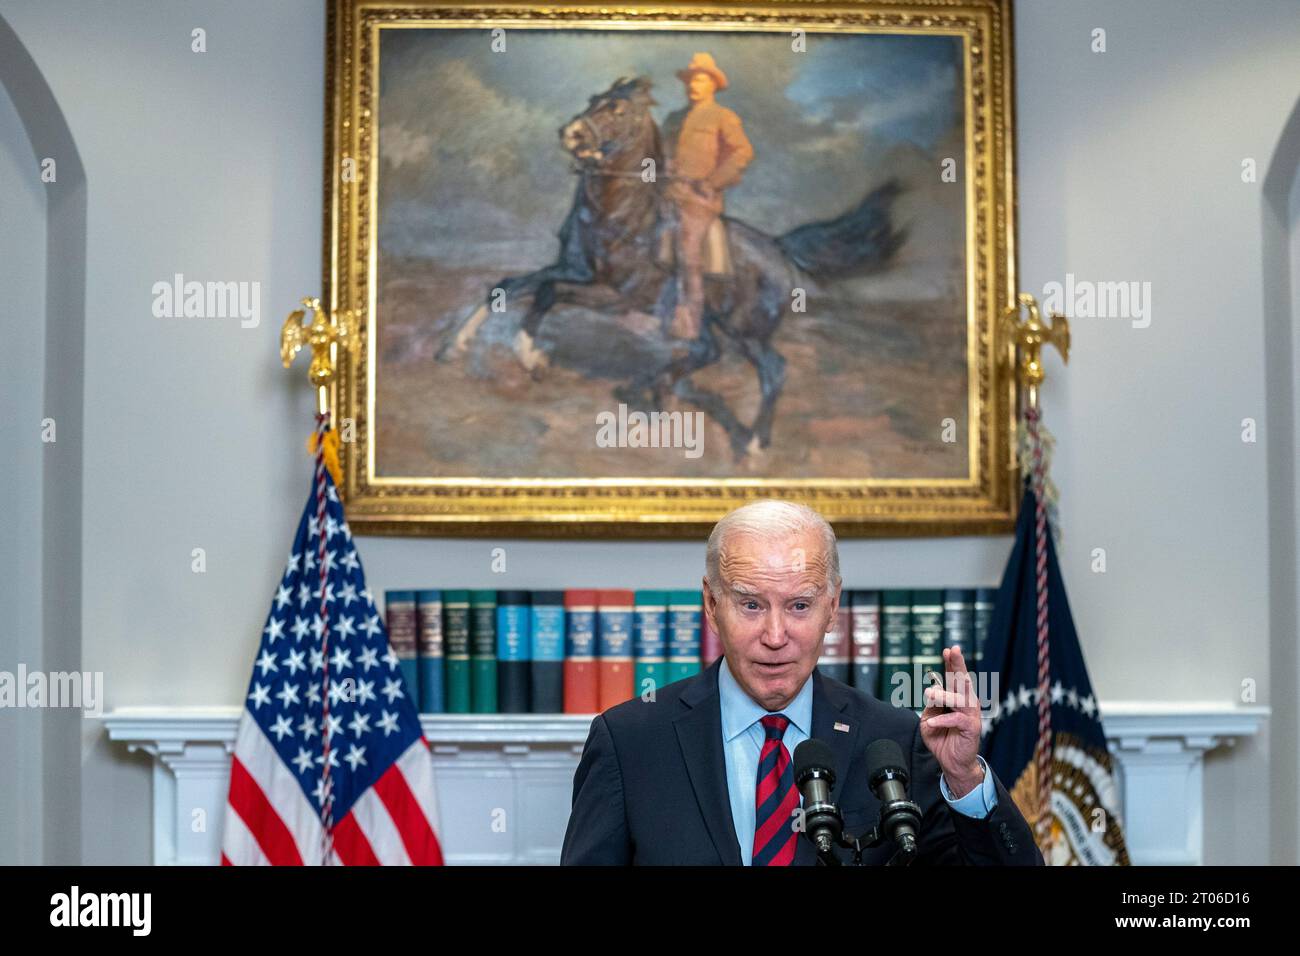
x,y
609,260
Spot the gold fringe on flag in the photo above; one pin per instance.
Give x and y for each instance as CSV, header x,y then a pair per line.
x,y
331,454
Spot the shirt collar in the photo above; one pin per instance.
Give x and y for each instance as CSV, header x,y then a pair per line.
x,y
740,712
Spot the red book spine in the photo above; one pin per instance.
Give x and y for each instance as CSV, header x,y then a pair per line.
x,y
614,646
581,679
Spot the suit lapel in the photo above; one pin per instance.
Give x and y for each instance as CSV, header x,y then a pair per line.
x,y
829,705
699,734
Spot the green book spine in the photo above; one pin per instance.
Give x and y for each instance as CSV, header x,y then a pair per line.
x,y
895,646
650,642
455,632
483,651
927,641
684,611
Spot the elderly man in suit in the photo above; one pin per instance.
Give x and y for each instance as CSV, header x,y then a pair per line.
x,y
707,153
702,773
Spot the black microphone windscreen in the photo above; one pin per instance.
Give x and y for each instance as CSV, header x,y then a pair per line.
x,y
813,753
884,754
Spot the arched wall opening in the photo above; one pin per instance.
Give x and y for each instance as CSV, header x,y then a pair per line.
x,y
1281,281
45,504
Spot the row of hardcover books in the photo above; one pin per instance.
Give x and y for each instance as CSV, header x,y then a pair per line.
x,y
581,651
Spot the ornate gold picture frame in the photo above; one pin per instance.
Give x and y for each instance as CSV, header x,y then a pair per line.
x,y
792,268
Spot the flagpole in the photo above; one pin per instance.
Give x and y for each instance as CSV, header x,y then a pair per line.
x,y
1029,337
326,334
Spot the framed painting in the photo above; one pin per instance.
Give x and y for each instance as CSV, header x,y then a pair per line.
x,y
620,268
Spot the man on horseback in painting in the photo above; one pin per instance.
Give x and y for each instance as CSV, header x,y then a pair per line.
x,y
611,259
707,152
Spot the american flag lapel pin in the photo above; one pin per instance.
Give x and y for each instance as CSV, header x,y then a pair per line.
x,y
841,727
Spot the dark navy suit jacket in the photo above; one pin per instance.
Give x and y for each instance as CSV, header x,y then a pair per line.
x,y
651,786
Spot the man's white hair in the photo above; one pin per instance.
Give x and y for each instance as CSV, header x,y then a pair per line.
x,y
769,518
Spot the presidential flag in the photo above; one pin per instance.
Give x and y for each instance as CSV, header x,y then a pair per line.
x,y
1046,731
330,764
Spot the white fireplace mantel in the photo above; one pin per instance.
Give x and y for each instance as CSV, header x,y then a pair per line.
x,y
520,768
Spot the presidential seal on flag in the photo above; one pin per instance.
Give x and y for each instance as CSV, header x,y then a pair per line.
x,y
1066,789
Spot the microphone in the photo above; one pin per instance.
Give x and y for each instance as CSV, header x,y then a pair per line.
x,y
899,817
814,775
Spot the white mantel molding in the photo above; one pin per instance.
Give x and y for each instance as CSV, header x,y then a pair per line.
x,y
159,730
1160,749
1134,725
524,764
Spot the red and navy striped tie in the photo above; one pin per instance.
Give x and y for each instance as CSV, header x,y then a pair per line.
x,y
776,798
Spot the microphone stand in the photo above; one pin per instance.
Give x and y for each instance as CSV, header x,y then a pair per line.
x,y
879,834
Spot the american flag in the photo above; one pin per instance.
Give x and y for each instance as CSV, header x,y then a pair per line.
x,y
330,764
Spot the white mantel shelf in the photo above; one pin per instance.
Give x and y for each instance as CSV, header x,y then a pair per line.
x,y
166,727
523,764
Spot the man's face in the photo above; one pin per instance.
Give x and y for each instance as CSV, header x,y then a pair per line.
x,y
772,612
700,87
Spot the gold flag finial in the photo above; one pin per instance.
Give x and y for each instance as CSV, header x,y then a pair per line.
x,y
1029,336
322,334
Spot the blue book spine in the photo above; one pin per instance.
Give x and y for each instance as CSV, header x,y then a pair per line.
x,y
580,636
430,653
399,611
514,651
614,634
547,626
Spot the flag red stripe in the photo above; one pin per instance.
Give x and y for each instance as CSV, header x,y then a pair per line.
x,y
417,836
225,860
248,800
351,844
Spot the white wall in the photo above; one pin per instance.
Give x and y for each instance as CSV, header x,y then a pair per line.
x,y
1282,288
1129,168
22,358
